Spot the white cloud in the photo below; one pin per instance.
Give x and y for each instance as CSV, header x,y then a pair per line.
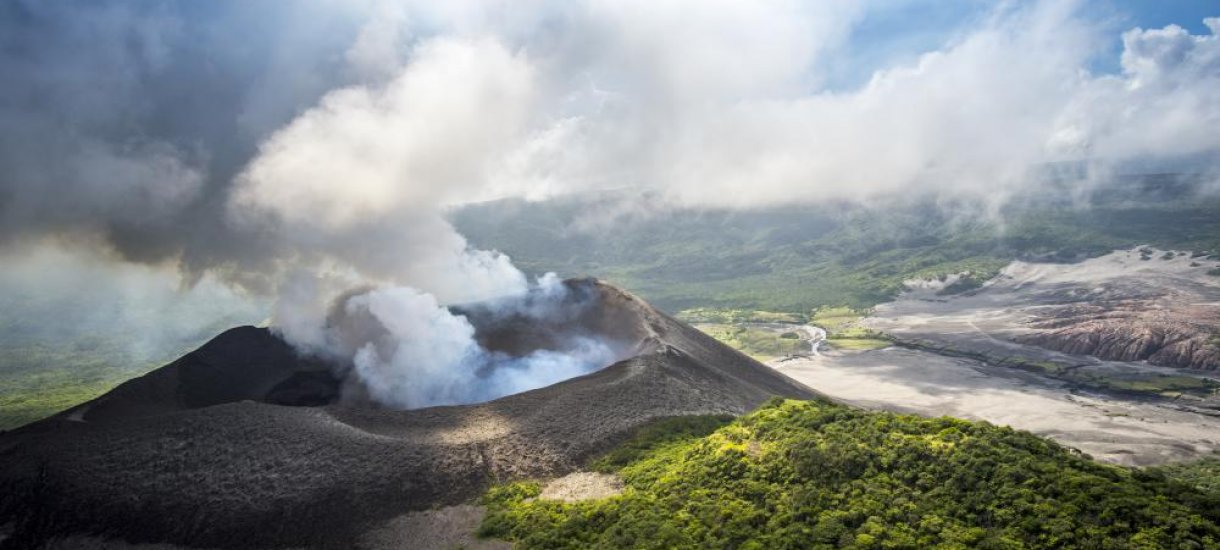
x,y
1166,102
362,177
710,104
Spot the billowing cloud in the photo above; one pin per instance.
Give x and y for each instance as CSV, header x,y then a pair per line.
x,y
1166,102
723,105
252,140
362,177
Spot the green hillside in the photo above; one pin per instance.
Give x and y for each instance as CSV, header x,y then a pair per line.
x,y
797,474
794,259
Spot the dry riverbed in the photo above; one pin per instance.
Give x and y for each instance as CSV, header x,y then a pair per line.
x,y
975,356
1111,429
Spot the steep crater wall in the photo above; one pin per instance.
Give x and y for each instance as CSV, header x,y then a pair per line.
x,y
198,452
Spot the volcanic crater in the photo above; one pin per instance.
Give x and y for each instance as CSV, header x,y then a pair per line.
x,y
244,442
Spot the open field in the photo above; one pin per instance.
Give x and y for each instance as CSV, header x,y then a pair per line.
x,y
767,335
761,343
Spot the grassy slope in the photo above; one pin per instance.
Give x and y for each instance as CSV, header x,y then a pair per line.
x,y
44,371
39,380
814,475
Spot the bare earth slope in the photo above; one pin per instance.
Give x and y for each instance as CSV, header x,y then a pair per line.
x,y
197,453
1056,349
1131,305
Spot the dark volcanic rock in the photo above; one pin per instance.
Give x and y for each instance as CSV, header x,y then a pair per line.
x,y
198,453
306,389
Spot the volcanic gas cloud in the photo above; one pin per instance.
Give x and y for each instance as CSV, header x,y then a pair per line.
x,y
401,348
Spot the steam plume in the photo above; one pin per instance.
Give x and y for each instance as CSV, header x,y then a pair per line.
x,y
405,350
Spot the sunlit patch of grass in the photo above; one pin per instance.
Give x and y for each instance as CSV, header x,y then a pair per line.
x,y
837,318
734,316
858,344
758,343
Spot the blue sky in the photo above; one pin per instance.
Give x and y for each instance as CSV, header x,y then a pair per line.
x,y
903,30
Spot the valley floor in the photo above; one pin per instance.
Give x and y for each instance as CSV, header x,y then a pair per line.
x,y
971,356
1111,429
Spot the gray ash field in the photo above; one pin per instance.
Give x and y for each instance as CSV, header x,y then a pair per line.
x,y
243,443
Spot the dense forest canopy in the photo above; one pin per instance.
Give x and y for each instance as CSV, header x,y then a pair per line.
x,y
804,474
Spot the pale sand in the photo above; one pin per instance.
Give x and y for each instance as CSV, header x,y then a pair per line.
x,y
578,486
1108,428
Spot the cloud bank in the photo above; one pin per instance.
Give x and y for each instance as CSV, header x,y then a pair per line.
x,y
267,143
253,139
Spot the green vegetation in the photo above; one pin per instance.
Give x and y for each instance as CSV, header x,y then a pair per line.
x,y
58,353
798,474
1202,474
40,380
657,435
835,319
39,396
799,258
739,329
759,343
43,371
736,316
1160,383
858,343
843,330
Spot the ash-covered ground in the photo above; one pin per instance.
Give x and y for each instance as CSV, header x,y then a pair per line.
x,y
1162,307
1114,355
246,443
1112,428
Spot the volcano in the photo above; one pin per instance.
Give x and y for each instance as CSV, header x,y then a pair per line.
x,y
246,443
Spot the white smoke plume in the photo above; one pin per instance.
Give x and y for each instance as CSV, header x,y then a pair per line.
x,y
403,349
362,178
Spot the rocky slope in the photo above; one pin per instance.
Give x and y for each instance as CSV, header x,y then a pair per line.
x,y
1131,331
209,451
1131,305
